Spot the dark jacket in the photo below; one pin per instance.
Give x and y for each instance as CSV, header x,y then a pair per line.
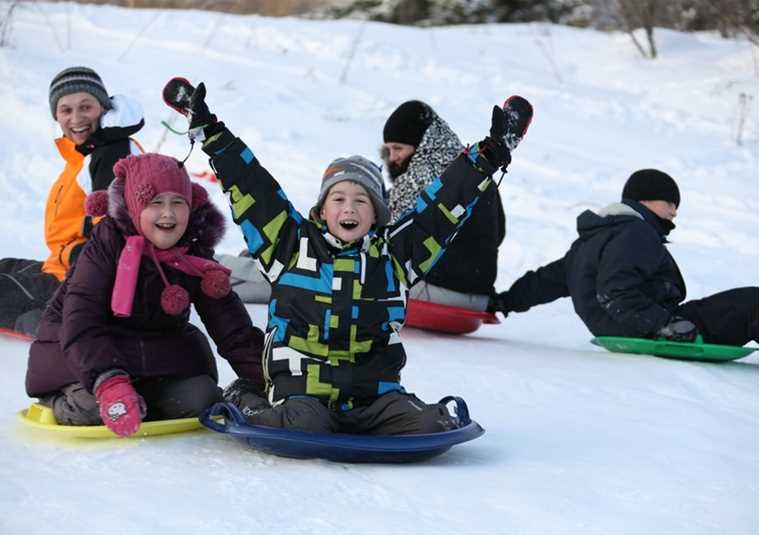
x,y
80,338
621,277
336,309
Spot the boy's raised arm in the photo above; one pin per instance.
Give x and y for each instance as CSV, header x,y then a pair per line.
x,y
266,217
421,237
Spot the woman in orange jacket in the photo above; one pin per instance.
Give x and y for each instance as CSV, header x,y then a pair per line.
x,y
95,134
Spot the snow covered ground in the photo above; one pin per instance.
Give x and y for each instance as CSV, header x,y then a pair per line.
x,y
578,440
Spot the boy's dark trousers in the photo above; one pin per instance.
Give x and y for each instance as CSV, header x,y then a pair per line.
x,y
394,413
730,317
24,293
165,397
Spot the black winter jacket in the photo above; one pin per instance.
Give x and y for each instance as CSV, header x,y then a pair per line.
x,y
620,276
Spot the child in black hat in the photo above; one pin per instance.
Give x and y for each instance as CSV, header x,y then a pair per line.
x,y
623,281
418,146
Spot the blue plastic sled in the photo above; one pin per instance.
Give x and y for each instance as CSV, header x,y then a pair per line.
x,y
341,447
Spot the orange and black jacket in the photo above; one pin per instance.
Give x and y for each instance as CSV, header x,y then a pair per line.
x,y
89,167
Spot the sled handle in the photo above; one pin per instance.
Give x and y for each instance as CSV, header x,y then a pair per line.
x,y
462,411
227,411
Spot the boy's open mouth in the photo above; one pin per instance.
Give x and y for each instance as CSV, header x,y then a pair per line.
x,y
349,224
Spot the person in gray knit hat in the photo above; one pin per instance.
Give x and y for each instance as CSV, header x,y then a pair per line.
x,y
95,134
364,173
339,281
77,80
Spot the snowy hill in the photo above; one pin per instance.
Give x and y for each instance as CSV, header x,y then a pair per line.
x,y
578,440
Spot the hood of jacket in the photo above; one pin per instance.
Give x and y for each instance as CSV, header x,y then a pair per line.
x,y
124,119
618,213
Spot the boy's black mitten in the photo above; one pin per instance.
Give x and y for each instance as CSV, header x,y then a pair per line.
x,y
493,147
508,125
203,123
678,329
246,394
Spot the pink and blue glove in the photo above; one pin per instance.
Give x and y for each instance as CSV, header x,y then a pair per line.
x,y
121,407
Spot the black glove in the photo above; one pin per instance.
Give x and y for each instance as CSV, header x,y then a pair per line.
x,y
510,123
678,330
203,123
493,147
498,302
247,396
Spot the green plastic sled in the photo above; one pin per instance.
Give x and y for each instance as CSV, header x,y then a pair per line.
x,y
676,350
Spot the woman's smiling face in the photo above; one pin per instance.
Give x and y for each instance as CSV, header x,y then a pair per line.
x,y
78,115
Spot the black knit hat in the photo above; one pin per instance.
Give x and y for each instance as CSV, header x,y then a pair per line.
x,y
76,80
651,185
408,123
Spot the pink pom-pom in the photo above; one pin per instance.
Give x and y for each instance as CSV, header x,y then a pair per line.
x,y
215,284
174,300
121,168
96,204
199,196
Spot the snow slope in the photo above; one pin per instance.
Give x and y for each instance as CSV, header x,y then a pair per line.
x,y
578,440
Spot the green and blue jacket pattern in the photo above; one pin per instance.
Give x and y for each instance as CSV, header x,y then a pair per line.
x,y
336,309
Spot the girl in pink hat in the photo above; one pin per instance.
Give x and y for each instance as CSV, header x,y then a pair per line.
x,y
115,346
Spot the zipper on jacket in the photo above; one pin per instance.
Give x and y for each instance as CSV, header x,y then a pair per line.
x,y
57,202
142,354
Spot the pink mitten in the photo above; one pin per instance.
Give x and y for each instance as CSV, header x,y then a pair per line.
x,y
121,407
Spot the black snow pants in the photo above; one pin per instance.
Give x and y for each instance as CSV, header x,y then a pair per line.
x,y
24,293
394,413
730,317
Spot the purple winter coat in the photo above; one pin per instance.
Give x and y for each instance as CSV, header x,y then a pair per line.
x,y
79,337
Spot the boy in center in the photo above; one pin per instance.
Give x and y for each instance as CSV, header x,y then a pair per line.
x,y
339,280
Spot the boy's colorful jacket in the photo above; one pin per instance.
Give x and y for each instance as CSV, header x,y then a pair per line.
x,y
336,309
79,337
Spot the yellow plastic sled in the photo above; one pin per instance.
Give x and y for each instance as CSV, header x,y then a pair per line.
x,y
41,417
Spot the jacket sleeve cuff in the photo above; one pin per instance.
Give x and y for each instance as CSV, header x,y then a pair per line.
x,y
107,375
218,141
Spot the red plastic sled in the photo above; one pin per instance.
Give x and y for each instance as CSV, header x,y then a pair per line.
x,y
15,334
446,318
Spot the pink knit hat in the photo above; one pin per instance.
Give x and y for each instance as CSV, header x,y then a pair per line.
x,y
148,175
144,176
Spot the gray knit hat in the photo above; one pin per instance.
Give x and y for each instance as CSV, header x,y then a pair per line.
x,y
75,80
361,171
